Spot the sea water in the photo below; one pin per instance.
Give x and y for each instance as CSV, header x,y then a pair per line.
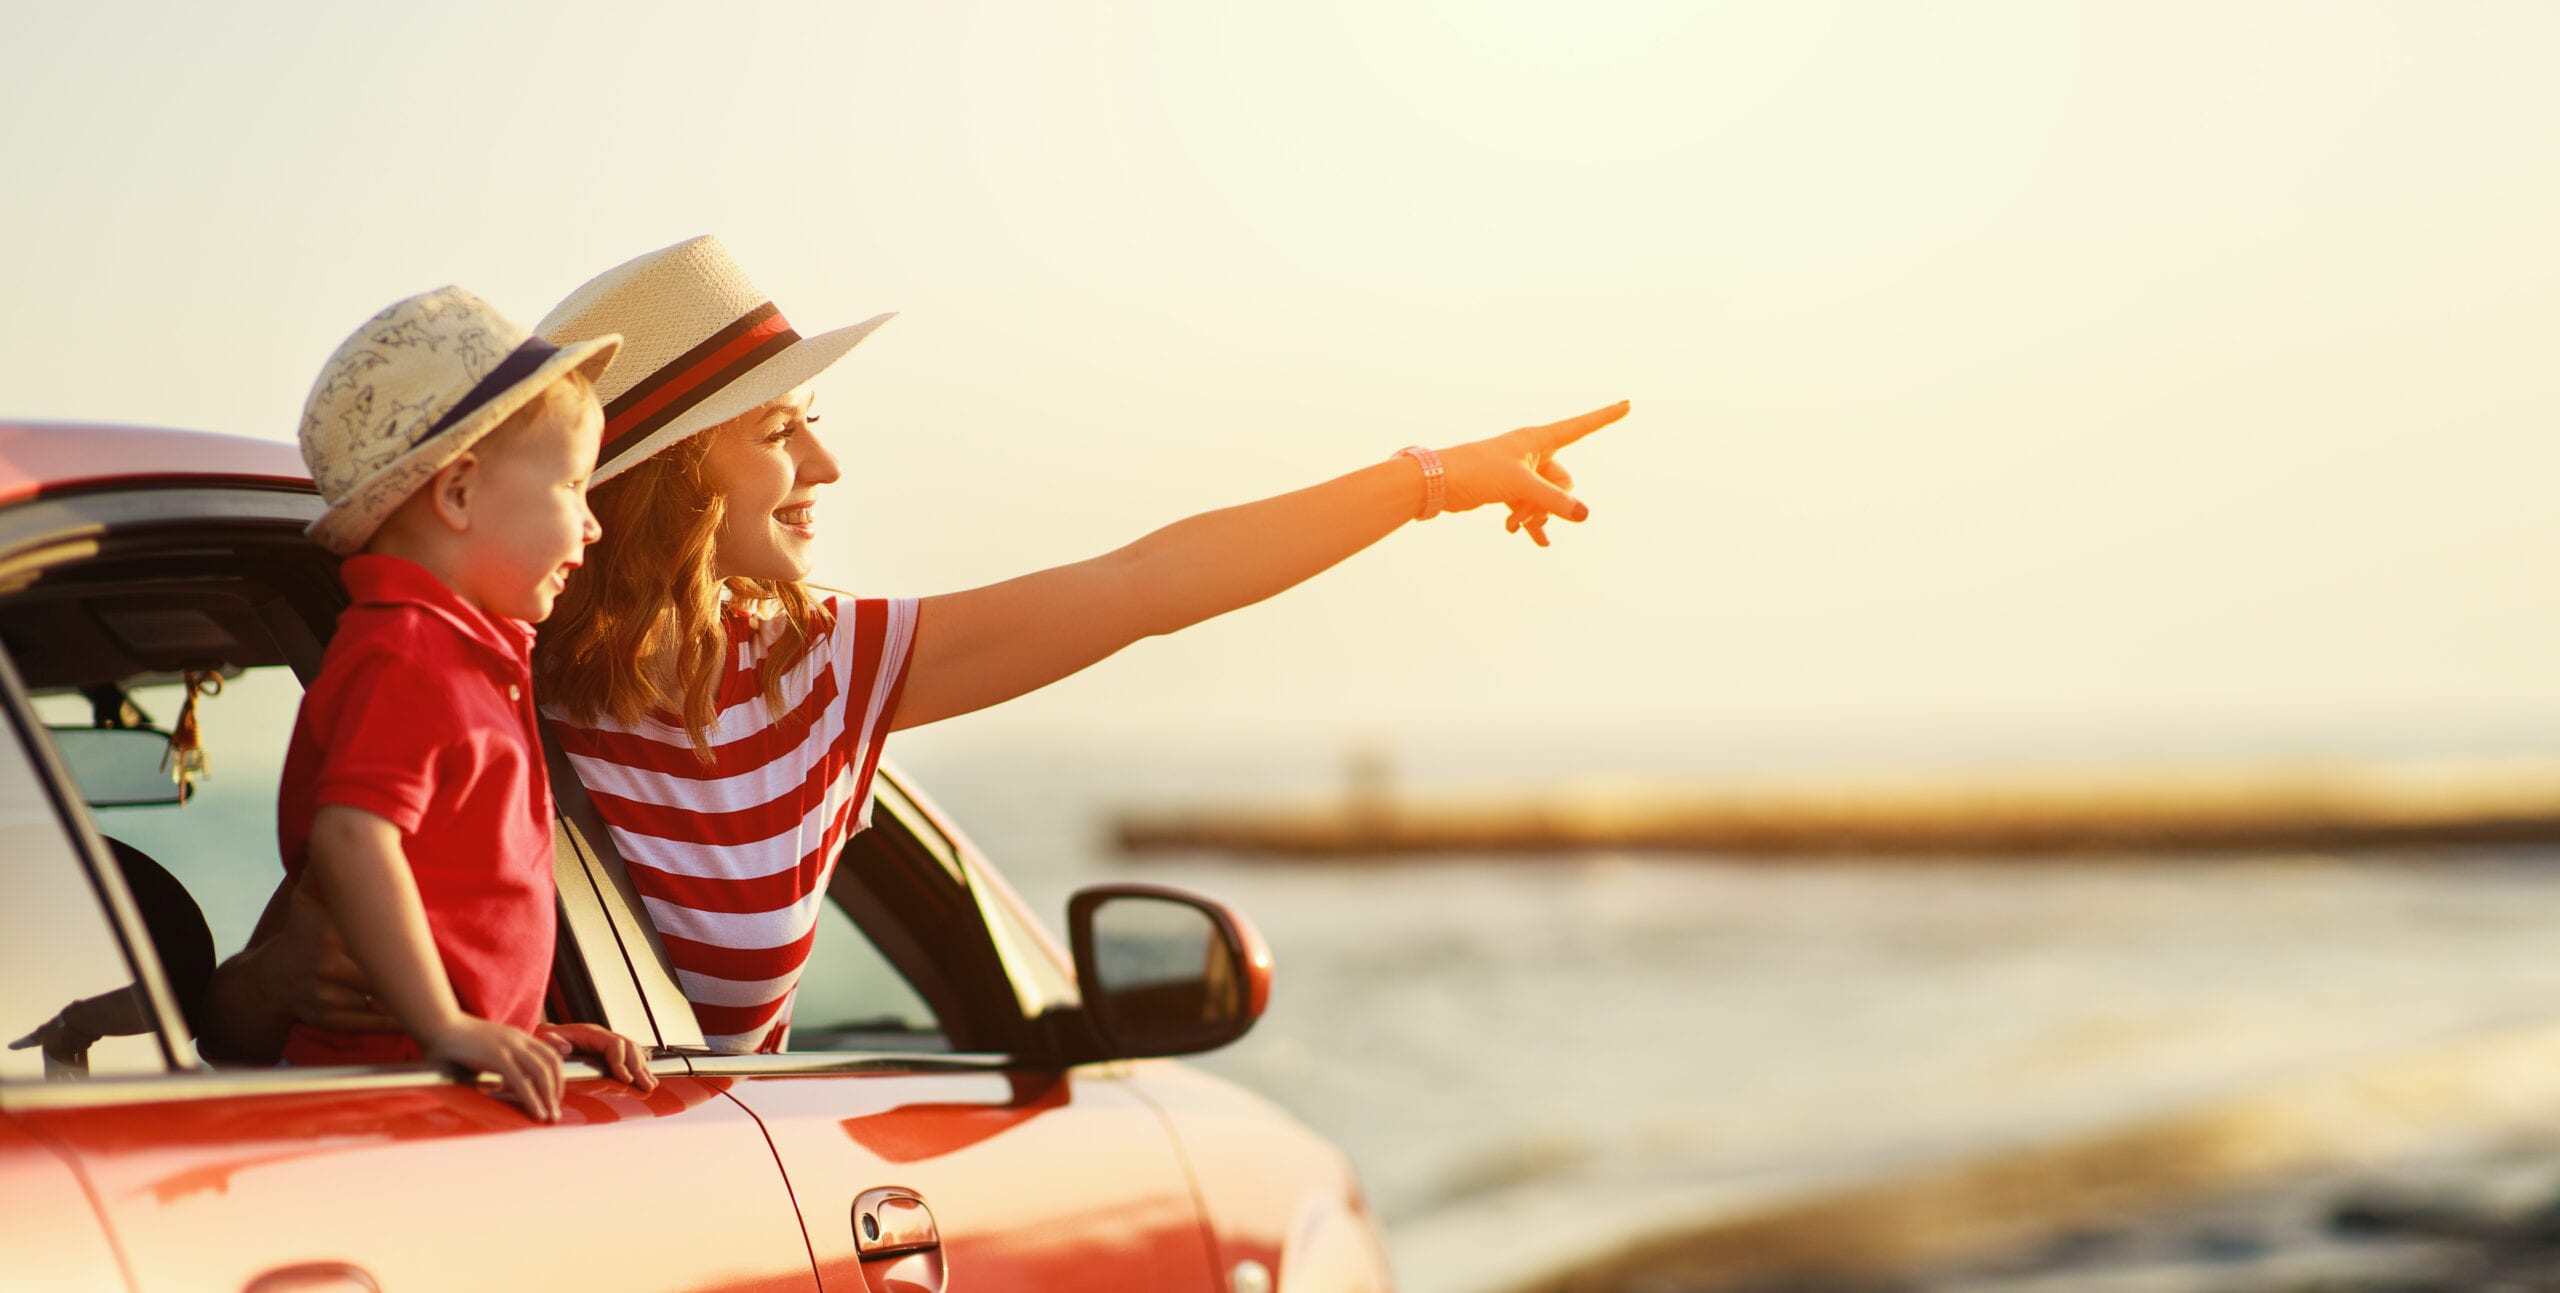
x,y
1467,1027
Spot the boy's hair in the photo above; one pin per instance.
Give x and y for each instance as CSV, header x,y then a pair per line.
x,y
501,437
647,585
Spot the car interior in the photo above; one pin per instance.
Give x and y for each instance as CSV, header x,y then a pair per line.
x,y
133,639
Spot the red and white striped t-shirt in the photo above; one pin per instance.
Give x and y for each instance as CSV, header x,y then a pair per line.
x,y
732,857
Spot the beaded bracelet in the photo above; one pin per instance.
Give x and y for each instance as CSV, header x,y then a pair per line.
x,y
1434,486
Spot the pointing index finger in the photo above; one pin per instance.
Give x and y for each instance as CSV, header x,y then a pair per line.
x,y
1556,435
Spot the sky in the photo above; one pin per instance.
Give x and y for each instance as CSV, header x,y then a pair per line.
x,y
2021,379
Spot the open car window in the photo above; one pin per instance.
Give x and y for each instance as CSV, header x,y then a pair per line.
x,y
902,961
220,845
853,998
920,928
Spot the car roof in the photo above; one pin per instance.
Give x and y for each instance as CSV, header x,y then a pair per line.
x,y
50,457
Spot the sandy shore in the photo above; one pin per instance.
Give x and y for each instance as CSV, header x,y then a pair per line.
x,y
2465,1219
2434,1171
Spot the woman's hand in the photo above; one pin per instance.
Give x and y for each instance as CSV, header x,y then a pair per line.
x,y
1519,468
306,972
296,968
620,1056
67,1037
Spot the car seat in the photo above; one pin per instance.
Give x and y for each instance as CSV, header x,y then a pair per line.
x,y
176,924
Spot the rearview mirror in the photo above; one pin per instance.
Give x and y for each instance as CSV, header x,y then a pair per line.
x,y
1164,972
117,767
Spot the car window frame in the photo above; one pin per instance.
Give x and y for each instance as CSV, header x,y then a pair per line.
x,y
1042,974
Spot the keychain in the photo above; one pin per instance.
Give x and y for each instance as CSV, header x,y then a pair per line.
x,y
184,761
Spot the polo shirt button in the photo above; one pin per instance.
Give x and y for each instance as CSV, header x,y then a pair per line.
x,y
512,693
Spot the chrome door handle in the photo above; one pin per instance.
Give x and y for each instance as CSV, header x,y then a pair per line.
x,y
892,1220
897,1241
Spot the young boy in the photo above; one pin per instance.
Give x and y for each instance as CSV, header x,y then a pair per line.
x,y
453,451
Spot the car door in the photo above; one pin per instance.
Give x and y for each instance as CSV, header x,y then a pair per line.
x,y
928,1143
395,1177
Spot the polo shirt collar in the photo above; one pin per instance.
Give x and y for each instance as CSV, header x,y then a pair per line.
x,y
374,579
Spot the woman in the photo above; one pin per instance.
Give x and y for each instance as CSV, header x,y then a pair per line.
x,y
726,718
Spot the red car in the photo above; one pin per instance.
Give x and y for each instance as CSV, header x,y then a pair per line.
x,y
964,1107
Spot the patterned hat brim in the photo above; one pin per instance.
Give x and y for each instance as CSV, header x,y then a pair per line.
x,y
795,366
346,527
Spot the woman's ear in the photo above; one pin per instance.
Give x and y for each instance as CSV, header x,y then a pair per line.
x,y
452,490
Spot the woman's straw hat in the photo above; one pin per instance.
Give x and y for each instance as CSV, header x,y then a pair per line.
x,y
702,344
412,389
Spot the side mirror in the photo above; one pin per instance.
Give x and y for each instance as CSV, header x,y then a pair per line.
x,y
1164,972
117,767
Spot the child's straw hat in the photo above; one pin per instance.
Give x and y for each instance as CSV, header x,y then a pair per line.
x,y
412,389
702,345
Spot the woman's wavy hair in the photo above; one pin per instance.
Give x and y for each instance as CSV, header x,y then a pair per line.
x,y
646,590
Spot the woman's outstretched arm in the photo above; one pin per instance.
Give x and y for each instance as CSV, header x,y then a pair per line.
x,y
991,644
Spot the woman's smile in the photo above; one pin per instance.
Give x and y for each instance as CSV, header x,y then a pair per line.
x,y
798,519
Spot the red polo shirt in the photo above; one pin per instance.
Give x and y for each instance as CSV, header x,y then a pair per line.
x,y
423,715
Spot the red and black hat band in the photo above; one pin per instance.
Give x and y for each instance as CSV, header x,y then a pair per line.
x,y
694,376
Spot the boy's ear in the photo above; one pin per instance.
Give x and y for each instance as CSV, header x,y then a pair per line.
x,y
453,488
